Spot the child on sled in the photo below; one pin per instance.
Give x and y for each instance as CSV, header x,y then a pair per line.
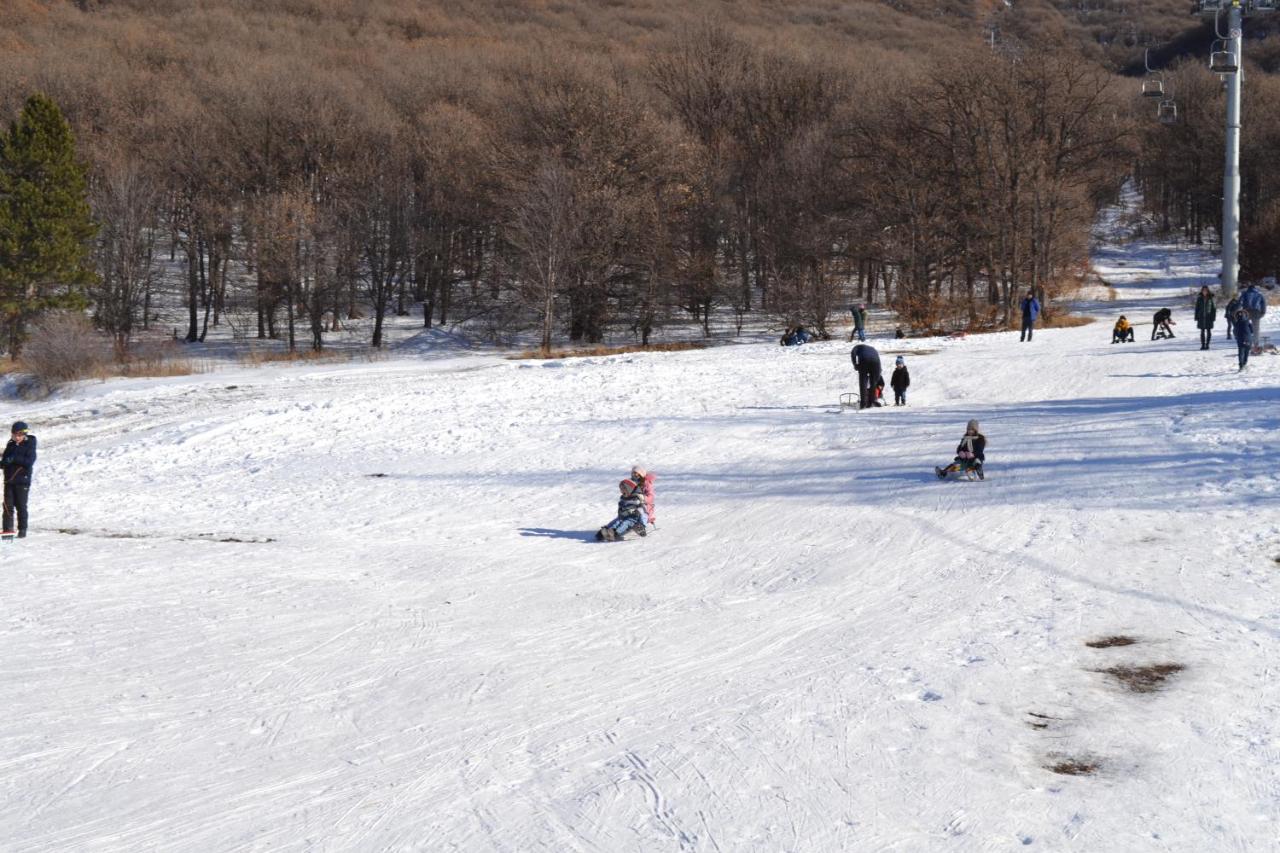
x,y
631,515
970,455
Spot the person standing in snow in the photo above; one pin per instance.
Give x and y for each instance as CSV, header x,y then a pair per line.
x,y
1233,305
1255,303
644,480
1243,327
1162,324
1030,311
859,322
866,360
17,464
1206,316
900,381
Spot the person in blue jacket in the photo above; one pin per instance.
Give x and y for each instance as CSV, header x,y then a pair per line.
x,y
1242,325
1255,303
1030,311
17,464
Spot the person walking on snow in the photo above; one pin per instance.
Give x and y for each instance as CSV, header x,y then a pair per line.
x,y
866,360
1233,305
900,381
859,322
1206,316
1243,327
644,480
630,516
18,462
1255,303
1030,311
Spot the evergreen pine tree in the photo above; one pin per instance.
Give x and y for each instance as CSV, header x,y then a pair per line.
x,y
45,224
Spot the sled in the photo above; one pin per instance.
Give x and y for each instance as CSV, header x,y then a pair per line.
x,y
973,472
8,535
850,401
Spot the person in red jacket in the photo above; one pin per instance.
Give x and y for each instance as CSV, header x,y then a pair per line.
x,y
644,481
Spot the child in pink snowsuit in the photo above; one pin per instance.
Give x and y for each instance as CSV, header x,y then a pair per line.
x,y
644,480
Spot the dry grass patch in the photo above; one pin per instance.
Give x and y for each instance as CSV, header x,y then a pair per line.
x,y
585,352
258,357
1143,679
1111,642
1073,766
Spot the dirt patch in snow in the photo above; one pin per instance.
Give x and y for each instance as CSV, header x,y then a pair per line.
x,y
1111,642
1143,679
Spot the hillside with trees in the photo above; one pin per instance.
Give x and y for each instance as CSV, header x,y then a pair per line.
x,y
578,169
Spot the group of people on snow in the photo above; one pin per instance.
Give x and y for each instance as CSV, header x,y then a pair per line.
x,y
1244,315
635,508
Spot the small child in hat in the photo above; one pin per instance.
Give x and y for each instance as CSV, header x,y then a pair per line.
x,y
631,515
900,381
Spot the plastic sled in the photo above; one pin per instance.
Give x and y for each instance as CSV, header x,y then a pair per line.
x,y
958,471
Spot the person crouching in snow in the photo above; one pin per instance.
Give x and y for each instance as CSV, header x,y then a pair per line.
x,y
631,515
644,482
970,454
1121,332
901,380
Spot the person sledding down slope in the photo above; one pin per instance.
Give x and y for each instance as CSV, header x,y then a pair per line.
x,y
631,515
970,455
644,480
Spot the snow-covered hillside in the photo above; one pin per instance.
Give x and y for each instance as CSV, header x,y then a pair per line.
x,y
358,607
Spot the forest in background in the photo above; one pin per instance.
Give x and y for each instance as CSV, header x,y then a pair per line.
x,y
577,168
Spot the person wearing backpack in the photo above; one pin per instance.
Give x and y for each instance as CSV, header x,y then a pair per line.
x,y
1255,305
1206,316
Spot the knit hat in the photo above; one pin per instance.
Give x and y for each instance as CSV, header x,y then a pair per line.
x,y
899,360
627,487
19,426
972,425
638,472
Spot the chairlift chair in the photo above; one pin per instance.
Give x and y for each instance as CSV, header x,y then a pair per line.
x,y
1223,62
1264,6
1153,87
1212,7
1167,112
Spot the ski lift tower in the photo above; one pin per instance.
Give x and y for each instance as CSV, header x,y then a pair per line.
x,y
1226,59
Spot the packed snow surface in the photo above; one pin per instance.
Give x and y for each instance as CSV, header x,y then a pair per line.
x,y
359,607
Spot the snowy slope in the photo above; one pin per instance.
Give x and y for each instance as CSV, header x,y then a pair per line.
x,y
414,645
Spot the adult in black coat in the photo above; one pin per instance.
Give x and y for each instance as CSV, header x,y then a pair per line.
x,y
866,360
18,462
1206,316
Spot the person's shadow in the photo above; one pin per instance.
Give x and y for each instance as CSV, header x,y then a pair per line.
x,y
548,533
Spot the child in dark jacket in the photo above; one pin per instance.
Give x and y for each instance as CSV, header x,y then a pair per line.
x,y
971,453
631,515
900,381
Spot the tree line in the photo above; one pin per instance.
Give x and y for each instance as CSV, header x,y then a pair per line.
x,y
337,169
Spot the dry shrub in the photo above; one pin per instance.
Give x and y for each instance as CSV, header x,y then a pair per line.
x,y
604,350
159,358
64,347
258,357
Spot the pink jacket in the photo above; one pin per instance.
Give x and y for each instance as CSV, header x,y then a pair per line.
x,y
646,487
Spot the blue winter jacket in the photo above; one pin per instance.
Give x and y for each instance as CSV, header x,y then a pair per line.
x,y
19,460
1242,328
1253,301
1030,308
